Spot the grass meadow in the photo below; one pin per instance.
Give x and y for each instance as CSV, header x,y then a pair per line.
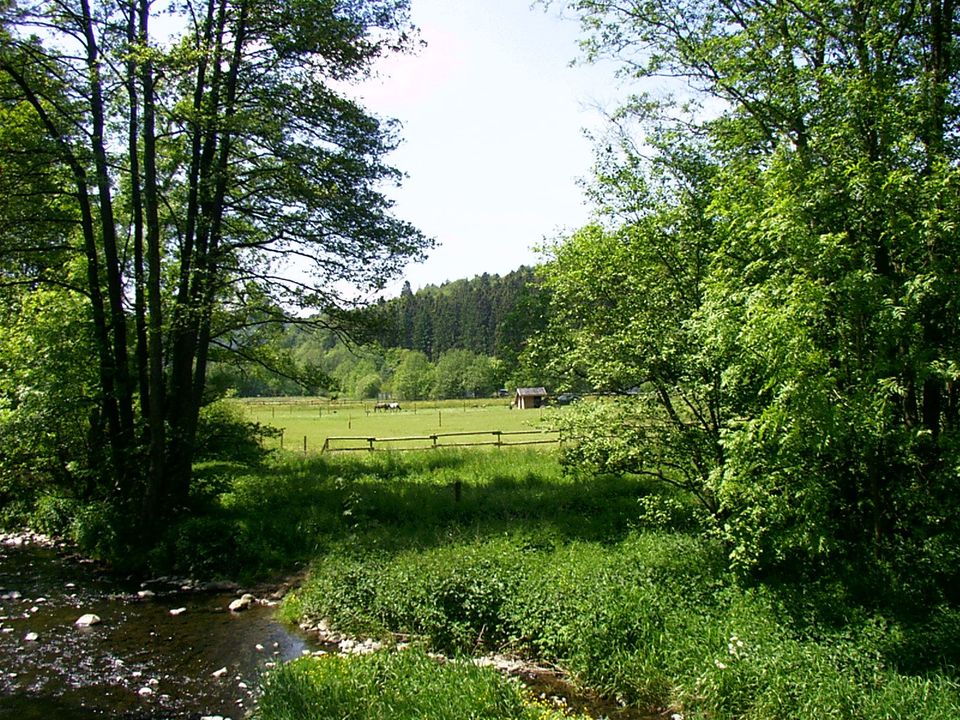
x,y
308,422
615,580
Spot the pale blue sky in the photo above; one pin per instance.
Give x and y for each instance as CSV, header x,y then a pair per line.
x,y
492,120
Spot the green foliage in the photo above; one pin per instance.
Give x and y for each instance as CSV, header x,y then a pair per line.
x,y
101,531
405,685
53,515
629,435
49,416
225,433
653,620
776,279
453,595
165,185
413,378
486,315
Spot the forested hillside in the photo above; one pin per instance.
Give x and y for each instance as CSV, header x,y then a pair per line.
x,y
461,338
487,314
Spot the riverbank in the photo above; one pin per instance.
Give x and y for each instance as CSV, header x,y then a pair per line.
x,y
622,585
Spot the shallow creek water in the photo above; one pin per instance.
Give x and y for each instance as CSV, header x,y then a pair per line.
x,y
142,662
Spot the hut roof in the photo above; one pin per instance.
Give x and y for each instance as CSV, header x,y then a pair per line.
x,y
531,392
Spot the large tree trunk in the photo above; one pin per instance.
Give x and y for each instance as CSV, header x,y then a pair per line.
x,y
123,440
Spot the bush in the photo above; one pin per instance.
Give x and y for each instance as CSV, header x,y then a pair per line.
x,y
224,433
53,515
97,528
453,595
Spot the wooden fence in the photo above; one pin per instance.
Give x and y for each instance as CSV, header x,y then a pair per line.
x,y
435,440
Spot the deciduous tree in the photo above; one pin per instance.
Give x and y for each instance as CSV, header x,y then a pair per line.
x,y
213,171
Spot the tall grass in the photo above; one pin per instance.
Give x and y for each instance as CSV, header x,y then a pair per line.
x,y
253,522
608,577
404,685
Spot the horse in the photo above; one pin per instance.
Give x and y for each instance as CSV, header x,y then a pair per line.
x,y
386,406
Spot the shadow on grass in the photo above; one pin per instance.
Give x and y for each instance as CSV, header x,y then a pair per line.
x,y
251,523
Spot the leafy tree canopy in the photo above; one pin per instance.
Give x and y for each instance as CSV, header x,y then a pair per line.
x,y
779,273
202,165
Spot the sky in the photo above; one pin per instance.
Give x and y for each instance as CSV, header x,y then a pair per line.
x,y
492,144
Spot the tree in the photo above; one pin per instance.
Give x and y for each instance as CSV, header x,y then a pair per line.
x,y
829,300
213,177
620,321
413,378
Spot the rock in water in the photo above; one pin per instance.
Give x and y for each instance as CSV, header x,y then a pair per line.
x,y
87,620
242,603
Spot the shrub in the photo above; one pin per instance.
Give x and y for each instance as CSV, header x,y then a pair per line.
x,y
97,528
225,433
52,515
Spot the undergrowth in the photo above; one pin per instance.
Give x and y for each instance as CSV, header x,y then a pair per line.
x,y
405,685
617,581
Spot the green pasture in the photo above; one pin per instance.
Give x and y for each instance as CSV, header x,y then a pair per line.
x,y
308,422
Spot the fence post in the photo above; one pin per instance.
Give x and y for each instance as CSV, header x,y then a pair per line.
x,y
304,445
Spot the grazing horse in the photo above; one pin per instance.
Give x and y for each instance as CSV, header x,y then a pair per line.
x,y
386,406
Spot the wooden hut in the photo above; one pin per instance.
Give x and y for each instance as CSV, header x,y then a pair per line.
x,y
530,398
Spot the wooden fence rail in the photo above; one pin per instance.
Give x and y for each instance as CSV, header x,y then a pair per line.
x,y
370,443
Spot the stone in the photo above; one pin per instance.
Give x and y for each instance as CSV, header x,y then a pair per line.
x,y
87,620
219,673
145,692
31,637
177,611
242,603
146,594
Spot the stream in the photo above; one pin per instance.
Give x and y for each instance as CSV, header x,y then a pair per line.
x,y
141,661
160,650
